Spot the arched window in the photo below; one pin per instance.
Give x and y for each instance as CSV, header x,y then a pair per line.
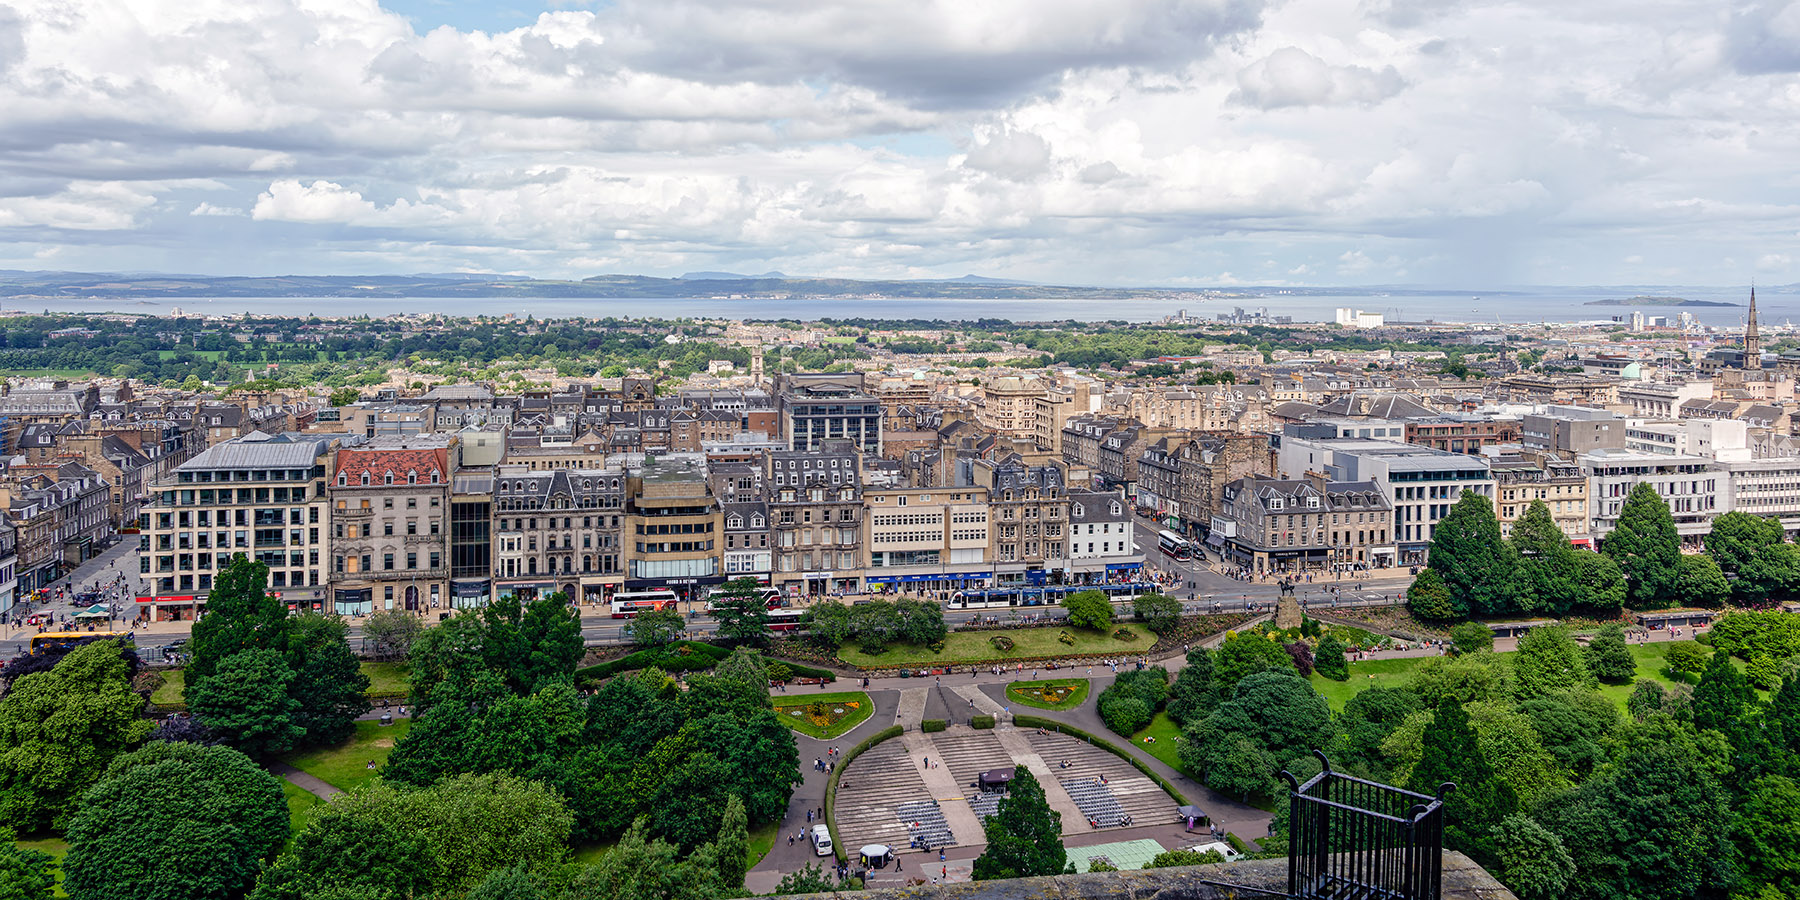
x,y
412,477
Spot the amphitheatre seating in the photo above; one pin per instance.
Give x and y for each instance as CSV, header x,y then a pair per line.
x,y
880,797
1126,788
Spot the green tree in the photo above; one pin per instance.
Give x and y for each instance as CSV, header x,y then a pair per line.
x,y
1245,654
1723,697
1024,836
1551,572
329,686
507,884
1701,583
1767,831
1430,598
347,396
1647,549
1647,699
1685,658
642,868
808,880
240,615
1159,612
246,702
1368,719
359,856
920,622
1738,536
1575,726
1602,582
1329,661
1479,569
1449,753
1279,713
390,632
1472,637
828,623
740,612
1089,609
1549,660
25,874
1131,701
59,730
175,822
1774,569
733,844
1653,826
1169,859
1464,679
1781,723
656,628
1533,861
1237,766
1608,657
1193,693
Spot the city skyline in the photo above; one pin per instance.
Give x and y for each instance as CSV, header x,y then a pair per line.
x,y
1171,143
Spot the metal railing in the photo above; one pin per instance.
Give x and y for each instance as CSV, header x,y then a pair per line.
x,y
1352,839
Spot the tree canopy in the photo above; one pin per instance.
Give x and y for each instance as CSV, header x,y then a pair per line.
x,y
1479,569
1024,836
59,730
1089,609
1647,549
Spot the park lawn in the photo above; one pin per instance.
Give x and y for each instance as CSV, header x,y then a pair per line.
x,y
1076,699
966,647
301,806
762,840
169,694
1365,674
1650,668
346,766
384,678
1167,747
784,703
57,848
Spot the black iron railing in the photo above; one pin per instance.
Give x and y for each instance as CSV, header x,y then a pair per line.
x,y
1351,839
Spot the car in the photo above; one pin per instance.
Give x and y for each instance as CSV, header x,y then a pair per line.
x,y
821,840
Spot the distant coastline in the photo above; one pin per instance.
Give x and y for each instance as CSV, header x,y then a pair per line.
x,y
1657,301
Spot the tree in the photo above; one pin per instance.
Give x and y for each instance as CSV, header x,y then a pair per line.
x,y
1131,701
391,632
247,704
1472,637
1723,696
1479,569
1169,859
1368,719
1533,861
1302,655
1575,726
1239,767
349,854
240,615
1700,582
1329,661
828,623
1602,582
746,666
506,884
733,844
1608,658
1653,826
59,730
657,627
1449,753
1647,549
1089,609
1549,660
1767,828
1647,699
1774,569
175,822
1464,679
739,610
1159,612
1738,536
329,686
1277,712
920,622
1551,573
1430,599
808,880
1685,658
1024,836
1192,695
1245,654
25,874
641,868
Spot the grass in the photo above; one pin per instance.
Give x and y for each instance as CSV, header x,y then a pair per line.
x,y
762,840
347,765
1365,674
966,647
588,854
1075,699
301,806
803,724
1166,747
389,678
57,848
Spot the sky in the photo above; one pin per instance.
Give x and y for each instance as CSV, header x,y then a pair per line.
x,y
1125,142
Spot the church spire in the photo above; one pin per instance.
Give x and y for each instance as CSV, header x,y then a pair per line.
x,y
1752,341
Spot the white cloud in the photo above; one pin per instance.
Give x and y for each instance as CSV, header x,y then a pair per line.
x,y
207,209
1293,77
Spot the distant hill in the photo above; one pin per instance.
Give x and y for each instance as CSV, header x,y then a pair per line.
x,y
726,276
1657,301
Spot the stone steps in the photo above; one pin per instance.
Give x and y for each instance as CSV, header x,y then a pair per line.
x,y
1134,795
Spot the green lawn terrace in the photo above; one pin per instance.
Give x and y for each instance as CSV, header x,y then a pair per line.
x,y
1051,693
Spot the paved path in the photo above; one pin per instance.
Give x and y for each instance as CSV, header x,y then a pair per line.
x,y
984,705
911,710
310,784
1018,746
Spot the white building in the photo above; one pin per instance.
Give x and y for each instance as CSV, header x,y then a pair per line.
x,y
1356,318
1102,539
1695,491
1421,484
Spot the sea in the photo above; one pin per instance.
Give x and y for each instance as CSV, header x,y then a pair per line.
x,y
1509,306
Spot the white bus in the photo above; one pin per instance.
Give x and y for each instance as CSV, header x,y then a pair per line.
x,y
1174,545
771,599
626,604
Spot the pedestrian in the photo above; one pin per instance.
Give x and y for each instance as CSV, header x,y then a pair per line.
x,y
790,840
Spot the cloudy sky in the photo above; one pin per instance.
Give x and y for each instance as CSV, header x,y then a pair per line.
x,y
1119,142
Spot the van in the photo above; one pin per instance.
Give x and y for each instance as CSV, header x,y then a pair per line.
x,y
821,839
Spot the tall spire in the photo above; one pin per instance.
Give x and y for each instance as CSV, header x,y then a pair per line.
x,y
1752,341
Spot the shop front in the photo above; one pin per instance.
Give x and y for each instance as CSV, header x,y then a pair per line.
x,y
470,593
926,584
302,600
353,601
170,608
524,591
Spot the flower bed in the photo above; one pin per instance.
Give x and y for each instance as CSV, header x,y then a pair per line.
x,y
824,716
1055,693
1194,629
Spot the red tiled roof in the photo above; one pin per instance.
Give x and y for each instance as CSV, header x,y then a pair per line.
x,y
353,464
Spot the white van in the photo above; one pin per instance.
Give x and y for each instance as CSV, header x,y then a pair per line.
x,y
821,839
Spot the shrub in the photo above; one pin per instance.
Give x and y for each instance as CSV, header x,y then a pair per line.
x,y
1302,654
1066,638
1001,642
930,725
981,721
1686,658
1127,715
780,672
1131,701
1329,660
1472,637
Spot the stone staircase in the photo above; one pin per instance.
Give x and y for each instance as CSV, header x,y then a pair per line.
x,y
879,799
1126,791
967,753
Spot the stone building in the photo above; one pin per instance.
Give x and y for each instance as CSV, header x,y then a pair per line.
x,y
1028,514
815,503
390,506
558,531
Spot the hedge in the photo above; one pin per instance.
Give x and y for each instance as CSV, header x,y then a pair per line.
x,y
669,659
1108,746
800,671
930,725
831,784
981,721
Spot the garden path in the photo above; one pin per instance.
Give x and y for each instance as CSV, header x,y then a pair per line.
x,y
912,707
984,704
309,783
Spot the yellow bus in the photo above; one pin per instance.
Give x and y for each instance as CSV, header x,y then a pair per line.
x,y
50,638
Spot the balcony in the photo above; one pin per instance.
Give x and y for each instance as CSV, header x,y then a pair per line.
x,y
415,539
354,512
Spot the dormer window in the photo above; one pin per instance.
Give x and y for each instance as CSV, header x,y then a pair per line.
x,y
343,479
412,478
365,479
388,478
756,521
1275,503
